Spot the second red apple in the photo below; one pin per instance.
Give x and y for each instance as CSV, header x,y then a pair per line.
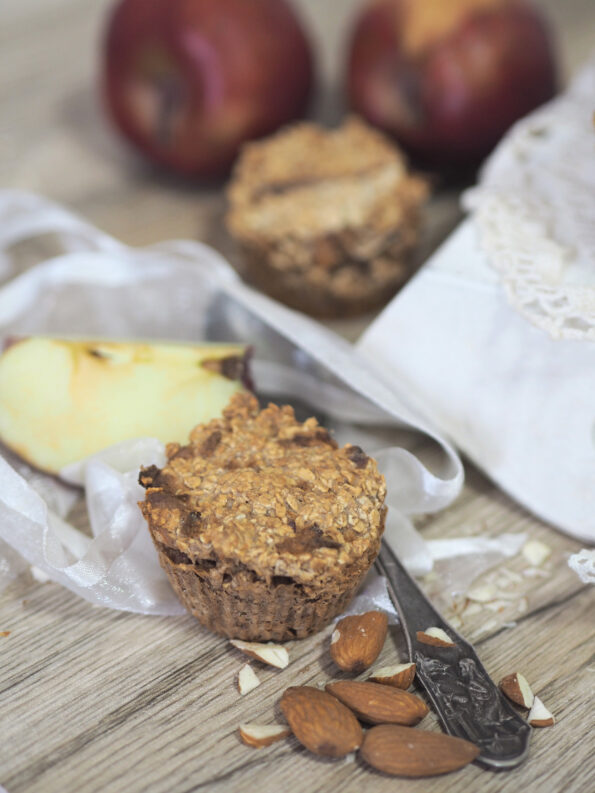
x,y
448,77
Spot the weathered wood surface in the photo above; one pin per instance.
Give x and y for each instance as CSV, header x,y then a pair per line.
x,y
94,700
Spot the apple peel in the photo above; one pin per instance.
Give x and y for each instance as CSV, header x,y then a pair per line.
x,y
187,83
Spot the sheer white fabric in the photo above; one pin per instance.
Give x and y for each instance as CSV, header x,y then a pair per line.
x,y
176,290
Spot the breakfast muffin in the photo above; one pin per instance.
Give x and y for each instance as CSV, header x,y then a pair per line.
x,y
325,219
263,525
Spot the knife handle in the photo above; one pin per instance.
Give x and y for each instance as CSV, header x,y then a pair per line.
x,y
464,696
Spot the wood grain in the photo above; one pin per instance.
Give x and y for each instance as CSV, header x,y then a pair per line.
x,y
95,700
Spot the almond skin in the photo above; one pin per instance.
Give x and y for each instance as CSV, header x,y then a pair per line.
x,y
357,641
375,703
320,722
403,751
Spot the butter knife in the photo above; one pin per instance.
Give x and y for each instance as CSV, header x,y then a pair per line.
x,y
464,696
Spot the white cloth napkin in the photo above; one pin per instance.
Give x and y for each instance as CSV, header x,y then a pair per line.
x,y
494,337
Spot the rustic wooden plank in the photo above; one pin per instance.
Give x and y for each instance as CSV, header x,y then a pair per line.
x,y
91,694
178,720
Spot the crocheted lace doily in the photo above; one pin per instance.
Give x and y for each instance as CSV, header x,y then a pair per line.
x,y
583,564
535,212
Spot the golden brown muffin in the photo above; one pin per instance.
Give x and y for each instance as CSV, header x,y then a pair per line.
x,y
325,219
263,525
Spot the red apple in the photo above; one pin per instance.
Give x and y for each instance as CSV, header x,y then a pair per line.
x,y
447,78
188,81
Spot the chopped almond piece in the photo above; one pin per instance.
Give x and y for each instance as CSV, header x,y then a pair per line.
x,y
517,689
539,715
399,675
269,653
259,735
436,637
247,679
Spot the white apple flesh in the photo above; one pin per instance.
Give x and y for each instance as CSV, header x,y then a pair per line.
x,y
62,400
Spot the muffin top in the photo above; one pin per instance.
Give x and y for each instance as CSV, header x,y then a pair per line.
x,y
260,490
307,180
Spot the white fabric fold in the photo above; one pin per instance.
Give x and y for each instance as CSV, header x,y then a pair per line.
x,y
517,402
583,564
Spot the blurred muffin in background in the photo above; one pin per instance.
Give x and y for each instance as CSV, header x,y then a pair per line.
x,y
326,219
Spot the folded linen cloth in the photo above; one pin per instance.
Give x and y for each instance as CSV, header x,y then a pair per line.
x,y
495,337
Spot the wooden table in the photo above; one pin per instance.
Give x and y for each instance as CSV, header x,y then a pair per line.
x,y
94,700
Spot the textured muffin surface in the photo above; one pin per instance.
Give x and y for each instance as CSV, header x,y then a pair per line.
x,y
269,492
259,507
325,218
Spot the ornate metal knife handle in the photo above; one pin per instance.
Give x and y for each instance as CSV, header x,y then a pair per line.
x,y
465,698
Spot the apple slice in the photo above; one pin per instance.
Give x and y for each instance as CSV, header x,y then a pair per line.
x,y
62,400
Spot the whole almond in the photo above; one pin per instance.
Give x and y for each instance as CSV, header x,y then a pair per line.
x,y
403,751
378,704
320,722
357,641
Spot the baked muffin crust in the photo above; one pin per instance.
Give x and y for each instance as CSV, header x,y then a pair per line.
x,y
325,219
263,492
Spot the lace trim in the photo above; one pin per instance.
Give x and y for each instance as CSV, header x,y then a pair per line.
x,y
583,564
534,209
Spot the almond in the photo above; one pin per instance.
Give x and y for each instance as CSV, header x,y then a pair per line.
x,y
320,722
539,715
259,735
378,704
436,637
517,689
471,609
403,751
483,593
272,654
536,552
399,675
247,679
357,641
